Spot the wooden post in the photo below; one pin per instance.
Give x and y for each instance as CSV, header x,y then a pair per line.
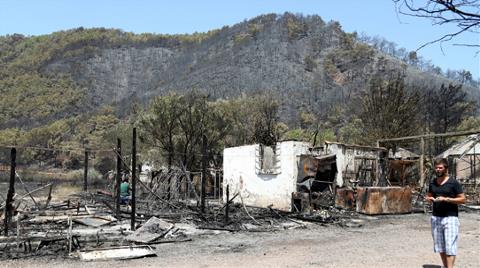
x,y
220,185
18,227
474,170
85,172
422,161
204,173
69,234
226,207
378,172
11,190
215,186
187,180
119,176
187,188
134,177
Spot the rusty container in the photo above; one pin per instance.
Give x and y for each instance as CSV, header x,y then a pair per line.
x,y
384,200
344,198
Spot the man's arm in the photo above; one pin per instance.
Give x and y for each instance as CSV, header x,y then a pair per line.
x,y
458,200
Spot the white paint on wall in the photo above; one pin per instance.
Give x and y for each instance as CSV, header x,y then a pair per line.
x,y
262,190
340,159
345,157
243,175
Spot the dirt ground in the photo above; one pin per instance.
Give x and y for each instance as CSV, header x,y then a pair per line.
x,y
381,241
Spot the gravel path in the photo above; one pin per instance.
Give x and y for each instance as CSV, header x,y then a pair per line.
x,y
383,241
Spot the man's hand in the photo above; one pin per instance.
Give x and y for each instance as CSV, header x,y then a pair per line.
x,y
441,199
430,199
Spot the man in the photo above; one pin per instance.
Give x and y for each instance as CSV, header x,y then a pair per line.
x,y
125,191
446,194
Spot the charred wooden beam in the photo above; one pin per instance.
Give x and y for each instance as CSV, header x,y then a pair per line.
x,y
11,190
119,175
226,207
85,172
204,174
27,190
447,134
134,177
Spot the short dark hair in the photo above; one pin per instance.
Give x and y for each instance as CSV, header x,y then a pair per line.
x,y
441,161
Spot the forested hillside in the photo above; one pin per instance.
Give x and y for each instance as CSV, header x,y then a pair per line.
x,y
80,87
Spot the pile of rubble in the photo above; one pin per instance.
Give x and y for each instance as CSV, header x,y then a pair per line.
x,y
88,227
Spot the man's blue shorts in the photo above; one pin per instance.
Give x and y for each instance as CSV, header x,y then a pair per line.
x,y
124,199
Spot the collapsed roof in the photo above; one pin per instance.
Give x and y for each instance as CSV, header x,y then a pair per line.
x,y
469,146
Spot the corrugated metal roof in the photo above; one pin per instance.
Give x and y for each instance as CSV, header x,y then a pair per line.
x,y
471,145
401,153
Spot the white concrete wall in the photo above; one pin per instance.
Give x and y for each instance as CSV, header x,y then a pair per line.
x,y
337,149
346,159
262,190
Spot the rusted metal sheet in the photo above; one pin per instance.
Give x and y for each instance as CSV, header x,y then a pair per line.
x,y
310,165
307,167
344,198
384,200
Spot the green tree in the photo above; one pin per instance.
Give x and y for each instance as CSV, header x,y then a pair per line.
x,y
178,124
216,130
444,110
192,125
236,113
265,119
351,132
160,124
389,110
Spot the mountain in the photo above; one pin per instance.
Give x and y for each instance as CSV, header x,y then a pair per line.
x,y
308,63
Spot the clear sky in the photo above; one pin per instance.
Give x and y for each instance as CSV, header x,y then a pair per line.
x,y
373,17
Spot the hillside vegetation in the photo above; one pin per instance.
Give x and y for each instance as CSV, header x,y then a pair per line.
x,y
84,87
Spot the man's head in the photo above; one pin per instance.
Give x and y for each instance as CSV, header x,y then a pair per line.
x,y
441,167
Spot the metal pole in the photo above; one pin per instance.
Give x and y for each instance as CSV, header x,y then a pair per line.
x,y
118,178
134,176
11,190
85,172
